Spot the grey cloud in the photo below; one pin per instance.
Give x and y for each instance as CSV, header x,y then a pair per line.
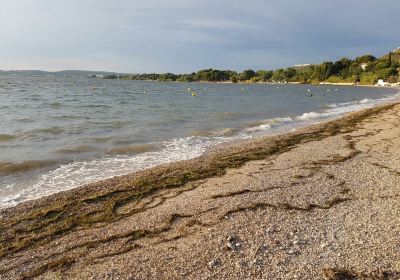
x,y
183,36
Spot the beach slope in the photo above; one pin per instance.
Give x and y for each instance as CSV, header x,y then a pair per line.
x,y
322,202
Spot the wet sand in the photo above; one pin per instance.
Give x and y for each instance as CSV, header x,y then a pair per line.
x,y
318,203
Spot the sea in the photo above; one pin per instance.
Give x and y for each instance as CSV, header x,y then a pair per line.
x,y
60,132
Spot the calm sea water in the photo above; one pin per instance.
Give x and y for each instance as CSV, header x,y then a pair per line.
x,y
57,133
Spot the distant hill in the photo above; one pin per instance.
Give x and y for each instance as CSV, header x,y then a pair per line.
x,y
63,73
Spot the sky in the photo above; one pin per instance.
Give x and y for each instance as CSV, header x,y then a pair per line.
x,y
137,36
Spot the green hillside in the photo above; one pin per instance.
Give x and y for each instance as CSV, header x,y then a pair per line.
x,y
365,69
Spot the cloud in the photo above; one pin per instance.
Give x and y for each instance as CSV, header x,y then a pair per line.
x,y
215,24
184,36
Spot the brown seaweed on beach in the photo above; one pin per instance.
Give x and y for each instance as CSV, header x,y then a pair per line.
x,y
344,274
33,224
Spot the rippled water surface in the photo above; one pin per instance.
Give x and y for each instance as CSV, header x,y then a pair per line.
x,y
60,132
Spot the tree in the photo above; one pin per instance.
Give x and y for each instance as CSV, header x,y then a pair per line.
x,y
386,73
290,73
264,75
279,75
247,75
365,59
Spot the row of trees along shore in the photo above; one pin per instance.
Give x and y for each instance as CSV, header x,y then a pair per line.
x,y
365,69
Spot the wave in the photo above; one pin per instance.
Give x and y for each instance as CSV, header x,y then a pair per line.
x,y
232,115
102,106
68,117
24,120
218,132
9,168
132,149
269,124
76,150
331,110
68,176
98,139
55,105
309,116
6,137
49,130
261,127
337,109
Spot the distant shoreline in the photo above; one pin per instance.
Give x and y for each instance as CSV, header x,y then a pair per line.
x,y
277,83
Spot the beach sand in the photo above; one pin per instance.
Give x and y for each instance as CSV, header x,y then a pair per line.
x,y
322,202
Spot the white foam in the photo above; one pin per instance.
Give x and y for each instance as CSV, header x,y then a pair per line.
x,y
78,173
269,124
334,105
337,109
365,100
261,127
309,116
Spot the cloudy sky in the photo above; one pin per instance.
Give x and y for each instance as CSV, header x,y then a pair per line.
x,y
187,35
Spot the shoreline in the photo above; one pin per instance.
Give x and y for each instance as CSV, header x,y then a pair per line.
x,y
274,83
94,186
34,227
255,127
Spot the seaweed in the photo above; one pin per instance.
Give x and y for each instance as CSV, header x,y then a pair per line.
x,y
21,229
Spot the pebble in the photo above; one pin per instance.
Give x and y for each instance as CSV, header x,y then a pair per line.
x,y
292,252
231,244
214,263
270,230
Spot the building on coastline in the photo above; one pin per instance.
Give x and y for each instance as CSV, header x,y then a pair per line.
x,y
302,65
364,66
382,83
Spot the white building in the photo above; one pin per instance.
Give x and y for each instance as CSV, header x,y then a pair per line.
x,y
382,83
363,66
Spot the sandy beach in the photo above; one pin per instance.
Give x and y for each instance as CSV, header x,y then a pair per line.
x,y
321,202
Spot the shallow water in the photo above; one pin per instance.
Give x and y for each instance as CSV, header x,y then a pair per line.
x,y
57,133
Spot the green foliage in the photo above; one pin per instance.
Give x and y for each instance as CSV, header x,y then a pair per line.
x,y
336,79
365,59
234,79
247,75
290,73
344,70
386,73
369,79
212,75
279,75
264,75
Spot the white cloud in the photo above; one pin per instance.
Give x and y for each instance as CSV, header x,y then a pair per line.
x,y
216,23
176,35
